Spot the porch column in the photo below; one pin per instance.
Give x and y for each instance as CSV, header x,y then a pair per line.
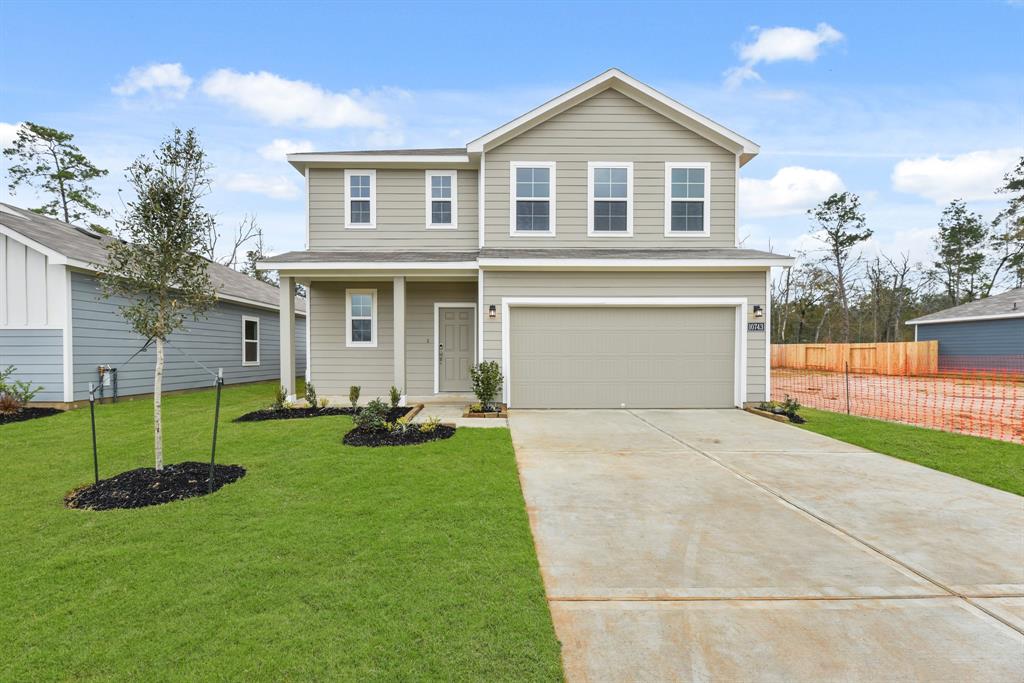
x,y
399,303
287,334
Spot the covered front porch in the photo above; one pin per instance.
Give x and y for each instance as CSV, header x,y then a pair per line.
x,y
415,327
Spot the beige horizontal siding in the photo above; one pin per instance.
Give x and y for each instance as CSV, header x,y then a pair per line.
x,y
610,127
401,213
749,284
419,328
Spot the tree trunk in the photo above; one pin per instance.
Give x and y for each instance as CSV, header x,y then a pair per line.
x,y
158,380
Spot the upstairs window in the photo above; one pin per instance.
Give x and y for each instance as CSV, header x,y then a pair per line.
x,y
250,340
360,317
610,201
361,202
442,199
533,198
686,199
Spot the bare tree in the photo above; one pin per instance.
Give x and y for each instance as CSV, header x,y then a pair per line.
x,y
247,232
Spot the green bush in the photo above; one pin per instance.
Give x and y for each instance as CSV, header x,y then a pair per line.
x,y
487,381
17,392
311,395
279,396
373,416
430,424
395,395
353,397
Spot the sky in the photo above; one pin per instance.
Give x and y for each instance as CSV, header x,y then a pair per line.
x,y
907,104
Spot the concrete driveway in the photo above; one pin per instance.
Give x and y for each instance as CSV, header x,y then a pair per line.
x,y
718,545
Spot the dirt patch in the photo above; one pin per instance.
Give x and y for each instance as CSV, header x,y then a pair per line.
x,y
146,486
411,436
27,414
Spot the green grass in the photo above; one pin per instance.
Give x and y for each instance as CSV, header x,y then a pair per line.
x,y
999,464
325,562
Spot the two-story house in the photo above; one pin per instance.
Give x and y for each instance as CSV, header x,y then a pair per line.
x,y
590,246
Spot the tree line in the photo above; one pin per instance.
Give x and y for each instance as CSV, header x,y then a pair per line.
x,y
837,294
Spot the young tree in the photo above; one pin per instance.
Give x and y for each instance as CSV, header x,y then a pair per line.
x,y
46,159
159,266
1007,240
960,268
840,225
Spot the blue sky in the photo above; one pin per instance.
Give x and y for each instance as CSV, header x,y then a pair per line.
x,y
907,104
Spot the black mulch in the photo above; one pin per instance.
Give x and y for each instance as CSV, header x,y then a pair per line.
x,y
299,413
145,486
374,437
27,414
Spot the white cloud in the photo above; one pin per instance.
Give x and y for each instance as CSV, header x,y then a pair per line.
x,y
168,80
8,131
970,176
281,101
279,147
779,44
275,187
792,190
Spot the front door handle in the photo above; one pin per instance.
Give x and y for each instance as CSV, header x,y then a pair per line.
x,y
440,352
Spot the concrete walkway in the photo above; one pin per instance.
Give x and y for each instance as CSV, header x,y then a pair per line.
x,y
718,545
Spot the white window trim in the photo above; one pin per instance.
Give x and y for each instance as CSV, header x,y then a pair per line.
x,y
513,165
255,319
348,319
454,225
669,165
349,172
591,166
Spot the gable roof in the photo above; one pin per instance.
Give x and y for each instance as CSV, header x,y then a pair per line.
x,y
66,244
1006,305
612,78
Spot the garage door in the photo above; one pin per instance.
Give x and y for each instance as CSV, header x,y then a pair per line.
x,y
607,357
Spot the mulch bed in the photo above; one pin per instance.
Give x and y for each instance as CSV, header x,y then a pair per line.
x,y
411,436
145,486
299,413
27,414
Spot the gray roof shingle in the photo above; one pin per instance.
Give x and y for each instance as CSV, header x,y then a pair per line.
x,y
445,151
372,256
1005,305
726,253
90,248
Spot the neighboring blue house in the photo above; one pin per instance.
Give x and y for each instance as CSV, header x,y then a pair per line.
x,y
987,334
58,331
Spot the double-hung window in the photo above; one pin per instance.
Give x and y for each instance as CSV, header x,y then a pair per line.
x,y
686,199
361,199
442,200
610,198
250,340
360,317
533,197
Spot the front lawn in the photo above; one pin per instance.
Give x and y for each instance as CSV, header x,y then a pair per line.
x,y
324,562
999,464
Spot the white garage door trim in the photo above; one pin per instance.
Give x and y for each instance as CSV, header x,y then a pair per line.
x,y
740,303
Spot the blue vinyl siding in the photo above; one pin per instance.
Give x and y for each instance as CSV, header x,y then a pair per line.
x,y
38,356
101,337
981,344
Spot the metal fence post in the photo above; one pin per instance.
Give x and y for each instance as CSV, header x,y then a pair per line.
x,y
847,388
92,419
216,419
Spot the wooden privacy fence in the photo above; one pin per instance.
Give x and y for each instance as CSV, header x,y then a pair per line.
x,y
889,358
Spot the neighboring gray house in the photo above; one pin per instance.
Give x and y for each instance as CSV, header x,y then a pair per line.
x,y
589,246
58,330
987,334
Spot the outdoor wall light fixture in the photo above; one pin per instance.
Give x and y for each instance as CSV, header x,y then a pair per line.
x,y
758,311
492,311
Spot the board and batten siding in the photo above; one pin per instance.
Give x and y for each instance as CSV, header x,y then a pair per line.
x,y
401,213
335,366
610,127
748,284
32,292
38,356
102,337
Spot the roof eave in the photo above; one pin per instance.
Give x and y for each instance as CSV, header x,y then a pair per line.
x,y
967,318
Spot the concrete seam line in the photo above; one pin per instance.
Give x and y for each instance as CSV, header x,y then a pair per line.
x,y
755,598
822,520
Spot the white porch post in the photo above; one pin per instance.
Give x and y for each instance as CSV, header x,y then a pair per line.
x,y
287,341
399,336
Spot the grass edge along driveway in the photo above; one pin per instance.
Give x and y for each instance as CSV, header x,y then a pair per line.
x,y
323,562
999,464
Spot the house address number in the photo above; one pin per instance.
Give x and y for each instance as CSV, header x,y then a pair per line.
x,y
755,327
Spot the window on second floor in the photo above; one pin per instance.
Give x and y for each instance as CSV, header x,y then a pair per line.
x,y
442,199
533,198
361,199
610,199
686,199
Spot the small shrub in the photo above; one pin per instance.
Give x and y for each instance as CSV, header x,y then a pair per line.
x,y
395,395
373,416
487,381
17,391
9,405
476,408
323,403
430,424
310,395
791,408
353,397
280,394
